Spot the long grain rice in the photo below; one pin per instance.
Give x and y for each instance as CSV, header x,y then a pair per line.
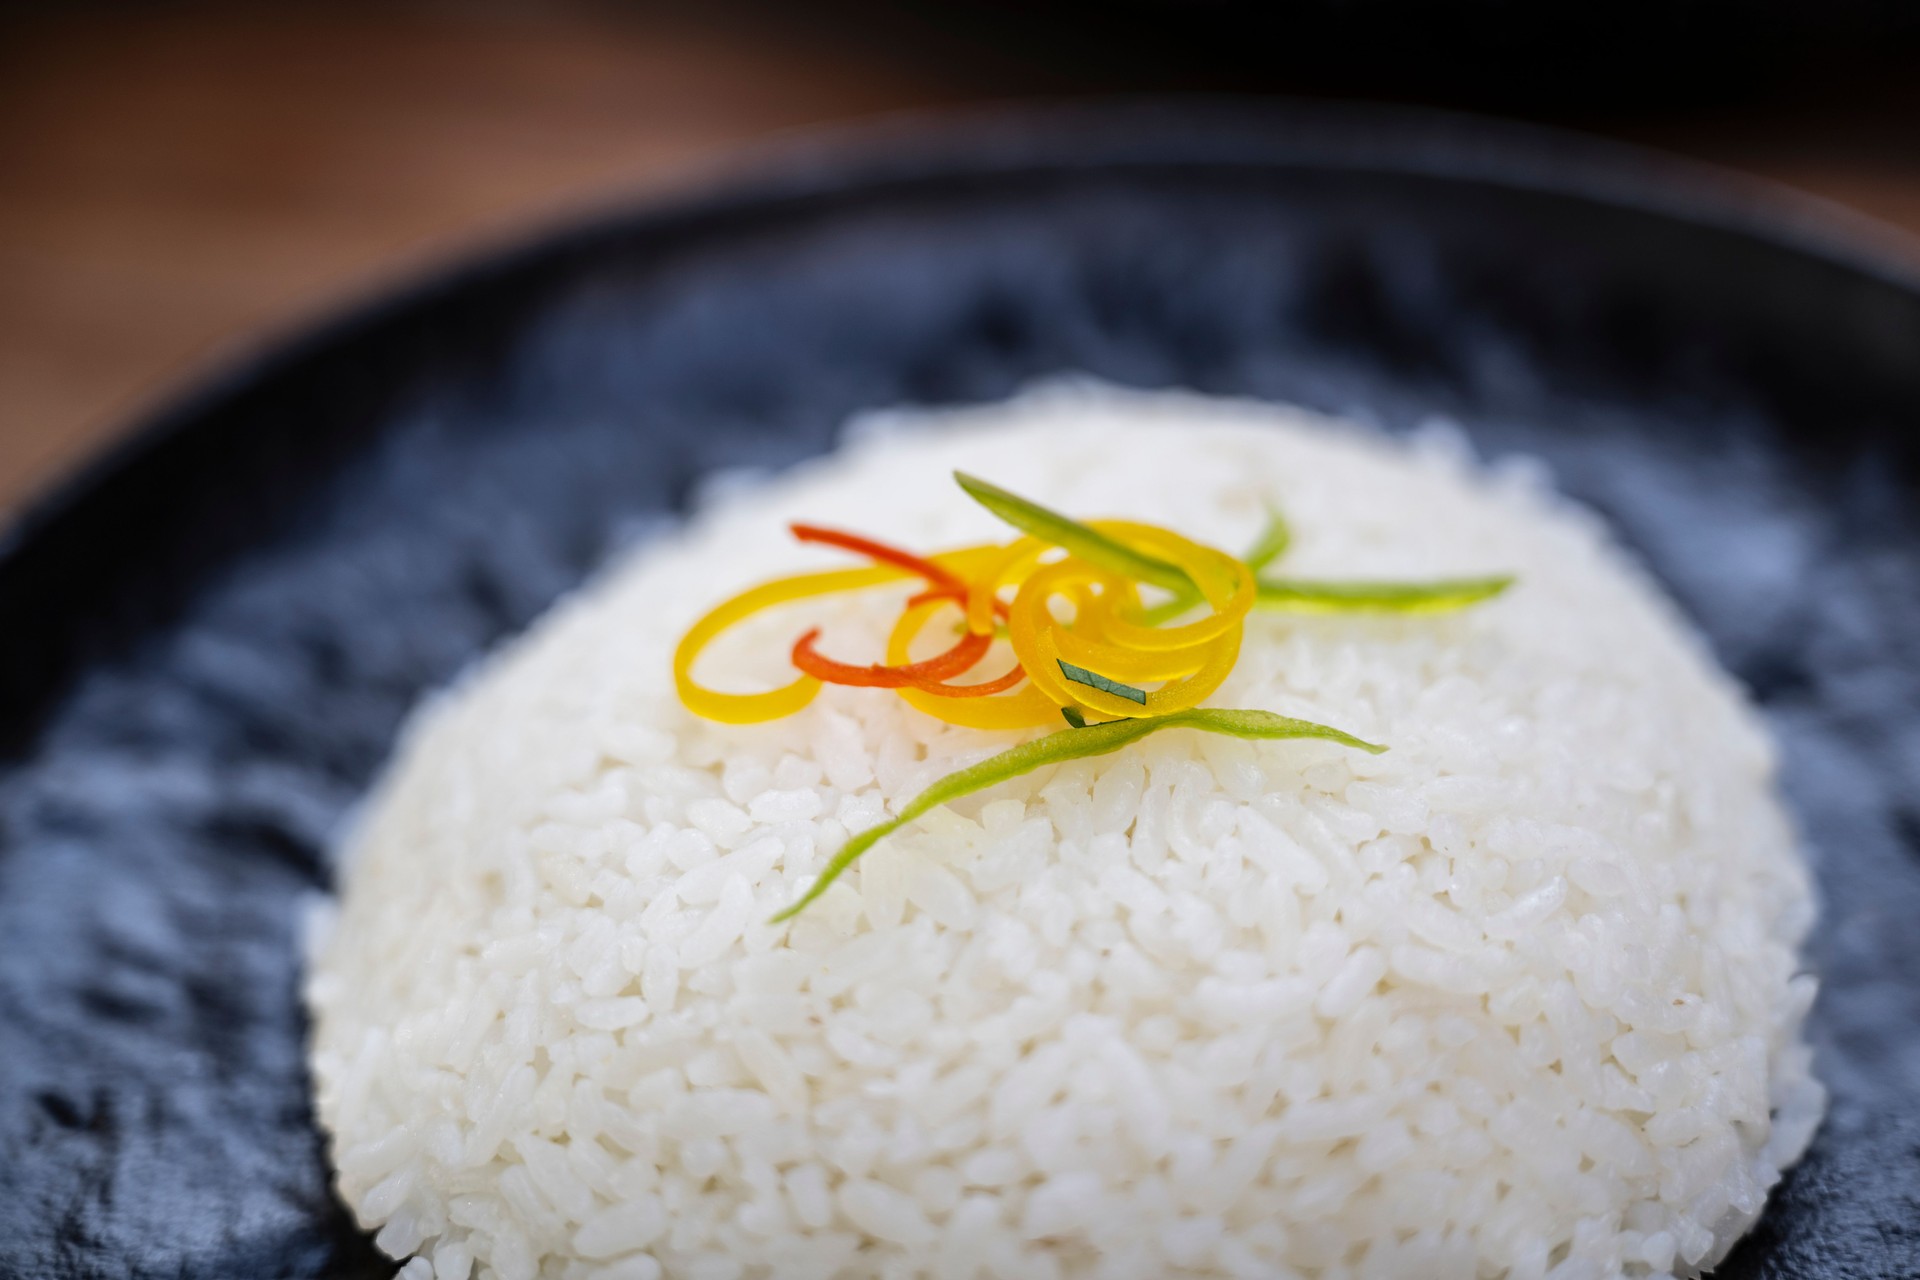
x,y
1518,998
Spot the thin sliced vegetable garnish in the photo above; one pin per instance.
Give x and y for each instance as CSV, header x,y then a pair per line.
x,y
1056,748
1080,675
1051,527
1082,640
1272,542
1299,595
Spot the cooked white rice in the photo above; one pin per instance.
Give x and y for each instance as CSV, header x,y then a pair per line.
x,y
1518,998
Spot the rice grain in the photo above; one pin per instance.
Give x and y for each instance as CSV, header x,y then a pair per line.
x,y
1518,998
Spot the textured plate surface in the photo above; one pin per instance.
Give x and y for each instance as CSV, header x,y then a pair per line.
x,y
208,643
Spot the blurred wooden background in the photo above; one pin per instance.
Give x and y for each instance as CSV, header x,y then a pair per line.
x,y
181,183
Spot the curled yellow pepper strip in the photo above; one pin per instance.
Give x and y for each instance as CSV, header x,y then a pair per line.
x,y
1024,708
1102,635
1226,584
1196,659
752,708
1015,563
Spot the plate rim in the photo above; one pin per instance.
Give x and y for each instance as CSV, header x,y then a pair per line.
x,y
916,146
788,171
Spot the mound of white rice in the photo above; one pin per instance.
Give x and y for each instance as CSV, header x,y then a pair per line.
x,y
1517,998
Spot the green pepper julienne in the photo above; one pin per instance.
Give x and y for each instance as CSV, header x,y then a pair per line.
x,y
1057,748
1286,595
1084,740
1089,544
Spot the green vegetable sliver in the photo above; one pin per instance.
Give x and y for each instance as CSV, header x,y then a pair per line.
x,y
1300,595
1272,543
1094,680
1057,748
1091,545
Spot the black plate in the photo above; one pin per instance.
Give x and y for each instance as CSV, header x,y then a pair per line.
x,y
206,645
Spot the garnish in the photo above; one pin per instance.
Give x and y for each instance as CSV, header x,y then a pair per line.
x,y
919,675
1057,748
1080,675
1082,640
1272,543
1298,595
1078,539
938,576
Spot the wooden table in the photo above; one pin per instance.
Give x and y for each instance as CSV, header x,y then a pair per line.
x,y
179,185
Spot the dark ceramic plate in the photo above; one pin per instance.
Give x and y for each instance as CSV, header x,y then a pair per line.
x,y
206,645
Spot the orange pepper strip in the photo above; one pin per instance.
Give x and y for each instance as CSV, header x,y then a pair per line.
x,y
752,708
927,675
1024,707
999,684
940,577
960,658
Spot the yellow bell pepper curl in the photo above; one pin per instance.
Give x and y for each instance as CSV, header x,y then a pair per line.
x,y
1195,659
752,708
1015,562
1024,708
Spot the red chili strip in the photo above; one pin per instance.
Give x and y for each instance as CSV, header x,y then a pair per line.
x,y
962,657
999,684
938,576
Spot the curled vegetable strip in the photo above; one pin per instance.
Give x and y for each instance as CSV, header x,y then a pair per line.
x,y
1082,638
1225,583
1194,659
962,657
1024,708
752,708
942,578
1014,565
1056,748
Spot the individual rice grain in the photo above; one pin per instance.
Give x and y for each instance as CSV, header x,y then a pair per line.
x,y
1519,997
